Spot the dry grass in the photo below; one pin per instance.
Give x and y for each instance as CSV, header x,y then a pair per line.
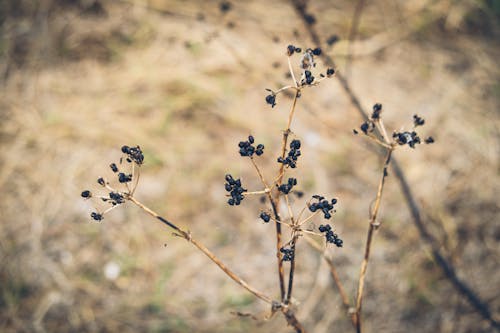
x,y
186,90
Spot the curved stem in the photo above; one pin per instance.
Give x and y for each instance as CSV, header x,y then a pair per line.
x,y
187,236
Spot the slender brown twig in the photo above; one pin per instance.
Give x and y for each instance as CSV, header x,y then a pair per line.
x,y
187,236
336,279
373,225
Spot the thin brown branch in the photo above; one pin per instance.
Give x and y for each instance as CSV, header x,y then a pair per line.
x,y
275,201
373,225
336,278
293,321
187,236
292,268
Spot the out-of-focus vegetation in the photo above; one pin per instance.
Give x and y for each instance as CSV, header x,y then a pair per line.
x,y
185,80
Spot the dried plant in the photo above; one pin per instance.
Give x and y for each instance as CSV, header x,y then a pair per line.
x,y
290,226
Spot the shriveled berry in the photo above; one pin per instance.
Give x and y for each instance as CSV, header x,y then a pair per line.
x,y
86,194
265,217
271,100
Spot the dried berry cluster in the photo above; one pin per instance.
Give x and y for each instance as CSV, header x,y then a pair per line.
x,y
286,188
307,63
324,205
288,253
293,154
134,154
233,186
248,149
410,138
114,197
406,138
330,236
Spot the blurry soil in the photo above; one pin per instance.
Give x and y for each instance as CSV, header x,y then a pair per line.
x,y
186,81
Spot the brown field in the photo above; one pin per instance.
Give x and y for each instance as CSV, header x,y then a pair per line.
x,y
186,81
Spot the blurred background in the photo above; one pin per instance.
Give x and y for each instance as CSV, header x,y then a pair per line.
x,y
186,81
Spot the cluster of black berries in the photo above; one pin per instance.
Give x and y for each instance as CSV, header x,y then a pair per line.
x,y
288,253
233,186
247,148
324,205
418,121
308,77
96,216
377,109
406,138
316,51
286,188
265,217
133,154
115,198
291,49
330,236
123,178
293,154
366,127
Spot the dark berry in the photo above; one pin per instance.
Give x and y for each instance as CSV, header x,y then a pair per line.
x,y
377,108
225,6
271,100
113,167
86,194
330,71
123,178
96,216
101,181
265,217
418,121
332,40
429,140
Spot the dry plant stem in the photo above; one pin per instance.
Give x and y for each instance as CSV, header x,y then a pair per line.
x,y
449,271
291,72
207,252
277,222
292,271
371,229
335,276
275,201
